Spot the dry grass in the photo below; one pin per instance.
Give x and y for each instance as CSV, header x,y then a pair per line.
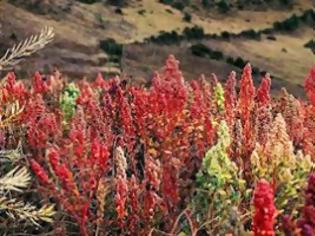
x,y
285,58
82,24
244,20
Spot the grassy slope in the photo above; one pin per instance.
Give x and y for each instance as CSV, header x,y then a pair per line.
x,y
236,22
286,57
157,18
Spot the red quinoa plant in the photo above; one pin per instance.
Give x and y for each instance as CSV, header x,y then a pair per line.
x,y
307,222
121,159
265,211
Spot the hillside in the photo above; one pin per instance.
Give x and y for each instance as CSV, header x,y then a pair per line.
x,y
80,28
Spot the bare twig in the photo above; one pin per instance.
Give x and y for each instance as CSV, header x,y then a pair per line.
x,y
26,47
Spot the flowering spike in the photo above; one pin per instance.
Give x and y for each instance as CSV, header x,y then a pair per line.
x,y
40,172
309,86
230,98
246,105
171,64
265,211
68,101
11,80
279,146
121,184
39,85
219,97
99,82
307,222
171,70
12,90
218,154
54,158
263,92
247,89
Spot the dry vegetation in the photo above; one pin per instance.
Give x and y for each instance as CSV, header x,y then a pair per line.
x,y
286,57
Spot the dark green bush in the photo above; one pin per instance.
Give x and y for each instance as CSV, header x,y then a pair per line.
x,y
119,11
115,59
255,70
223,6
178,5
141,12
205,3
251,34
200,50
111,47
166,37
292,23
117,3
267,31
216,55
203,51
168,2
311,45
187,17
195,32
308,17
239,62
225,35
230,60
286,2
88,1
289,24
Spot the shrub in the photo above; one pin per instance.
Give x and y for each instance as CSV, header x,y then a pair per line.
x,y
230,60
251,34
187,17
205,3
267,31
168,2
311,45
203,51
286,2
289,24
141,12
88,1
178,5
223,6
200,50
111,47
308,17
117,3
239,62
166,37
217,55
119,11
256,70
225,35
195,32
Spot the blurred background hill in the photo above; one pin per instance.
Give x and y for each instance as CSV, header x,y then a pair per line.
x,y
132,38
